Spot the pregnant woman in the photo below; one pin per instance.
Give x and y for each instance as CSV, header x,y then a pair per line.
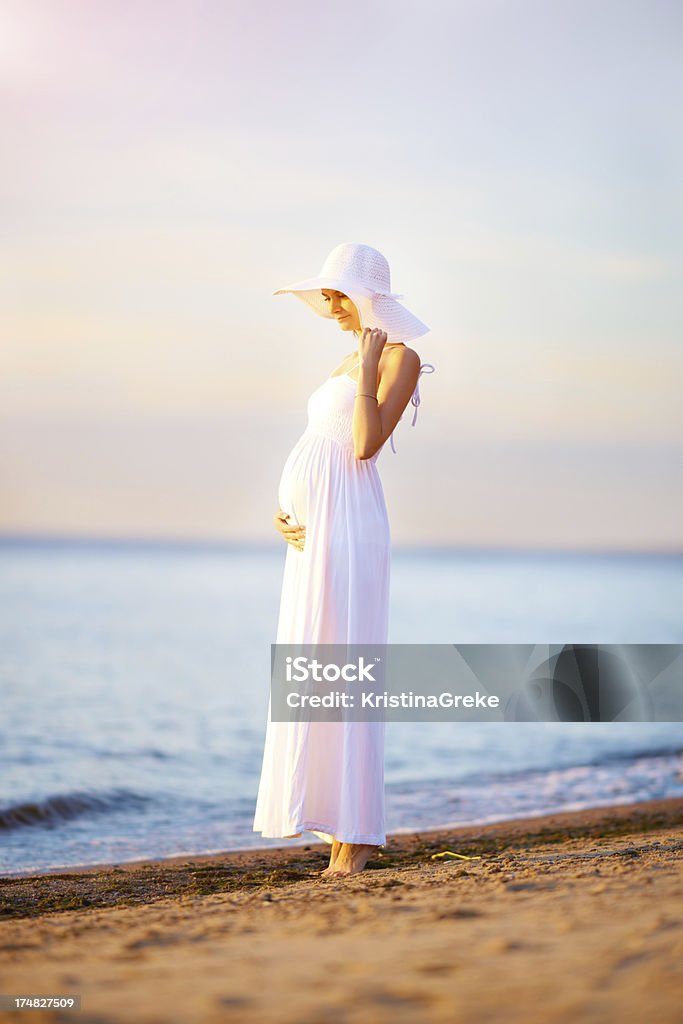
x,y
328,777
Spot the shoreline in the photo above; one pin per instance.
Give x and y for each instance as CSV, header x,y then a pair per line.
x,y
307,844
262,852
571,917
248,867
506,827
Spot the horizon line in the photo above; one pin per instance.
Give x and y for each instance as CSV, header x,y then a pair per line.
x,y
227,543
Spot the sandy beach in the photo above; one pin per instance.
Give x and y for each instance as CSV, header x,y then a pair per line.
x,y
569,917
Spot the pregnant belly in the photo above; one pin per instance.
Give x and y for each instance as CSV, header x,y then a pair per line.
x,y
294,485
319,478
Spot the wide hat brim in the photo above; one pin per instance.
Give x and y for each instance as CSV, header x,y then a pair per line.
x,y
375,309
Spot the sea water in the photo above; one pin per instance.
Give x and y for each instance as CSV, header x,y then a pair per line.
x,y
134,692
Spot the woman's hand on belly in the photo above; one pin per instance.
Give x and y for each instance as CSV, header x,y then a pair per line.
x,y
294,535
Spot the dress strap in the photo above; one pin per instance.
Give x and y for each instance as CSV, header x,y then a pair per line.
x,y
415,400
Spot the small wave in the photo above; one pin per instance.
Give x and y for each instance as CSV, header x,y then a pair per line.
x,y
65,806
142,752
604,759
673,750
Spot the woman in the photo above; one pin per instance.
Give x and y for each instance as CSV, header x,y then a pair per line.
x,y
328,777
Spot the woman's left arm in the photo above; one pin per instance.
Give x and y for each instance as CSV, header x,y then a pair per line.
x,y
381,401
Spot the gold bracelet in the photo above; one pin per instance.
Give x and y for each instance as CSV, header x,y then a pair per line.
x,y
368,396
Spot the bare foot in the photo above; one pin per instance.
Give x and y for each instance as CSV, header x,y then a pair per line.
x,y
336,846
351,859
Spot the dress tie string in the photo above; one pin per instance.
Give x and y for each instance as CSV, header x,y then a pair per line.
x,y
415,399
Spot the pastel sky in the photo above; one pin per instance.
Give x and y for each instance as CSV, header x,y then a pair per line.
x,y
167,165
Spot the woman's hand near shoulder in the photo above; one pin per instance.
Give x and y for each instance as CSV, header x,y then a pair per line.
x,y
393,380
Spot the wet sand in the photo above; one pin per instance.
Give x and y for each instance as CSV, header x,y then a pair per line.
x,y
573,917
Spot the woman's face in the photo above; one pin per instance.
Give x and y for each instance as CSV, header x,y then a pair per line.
x,y
342,309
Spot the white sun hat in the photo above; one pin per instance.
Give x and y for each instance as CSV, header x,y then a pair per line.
x,y
362,273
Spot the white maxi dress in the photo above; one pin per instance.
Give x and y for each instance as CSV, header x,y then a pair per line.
x,y
328,777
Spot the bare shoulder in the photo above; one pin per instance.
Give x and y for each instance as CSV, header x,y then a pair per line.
x,y
399,359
